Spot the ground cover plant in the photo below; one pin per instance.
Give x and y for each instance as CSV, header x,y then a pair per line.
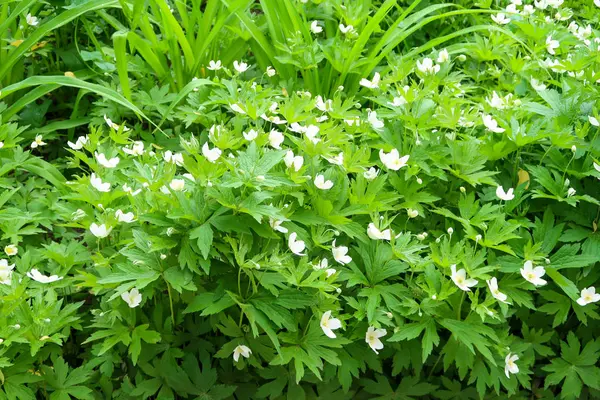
x,y
239,199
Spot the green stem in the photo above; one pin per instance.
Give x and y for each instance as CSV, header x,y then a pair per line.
x,y
171,304
462,299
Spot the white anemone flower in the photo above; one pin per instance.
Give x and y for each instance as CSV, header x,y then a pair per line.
x,y
106,162
329,324
323,184
392,160
242,350
533,275
373,84
100,231
500,19
296,246
551,45
137,148
371,173
506,196
509,365
212,155
372,338
78,145
124,217
97,183
214,65
315,28
240,66
460,279
427,66
250,135
291,160
133,298
39,277
340,254
276,139
588,295
374,121
491,124
374,233
496,293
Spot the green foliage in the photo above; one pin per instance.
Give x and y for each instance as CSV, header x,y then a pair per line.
x,y
366,199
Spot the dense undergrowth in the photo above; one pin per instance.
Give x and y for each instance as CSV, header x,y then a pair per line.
x,y
239,199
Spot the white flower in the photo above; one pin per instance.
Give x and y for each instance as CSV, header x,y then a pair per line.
x,y
392,160
243,350
275,138
555,3
250,135
78,145
427,66
374,84
496,293
323,105
398,101
291,160
588,296
412,213
322,184
113,125
528,10
593,120
329,324
100,231
347,29
376,234
571,192
597,3
271,71
375,123
97,183
276,225
296,246
510,367
491,124
533,275
175,158
311,132
460,278
211,155
38,142
502,195
128,189
337,160
133,298
240,66
536,85
38,277
11,250
237,108
137,149
371,173
541,4
315,28
372,338
106,163
124,217
177,185
6,272
500,19
340,254
443,56
214,65
32,20
551,45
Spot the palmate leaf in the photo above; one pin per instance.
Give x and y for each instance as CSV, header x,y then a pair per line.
x,y
575,366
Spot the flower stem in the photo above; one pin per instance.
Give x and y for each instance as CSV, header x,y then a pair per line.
x,y
462,299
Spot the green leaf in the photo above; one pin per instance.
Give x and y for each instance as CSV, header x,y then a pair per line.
x,y
204,234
